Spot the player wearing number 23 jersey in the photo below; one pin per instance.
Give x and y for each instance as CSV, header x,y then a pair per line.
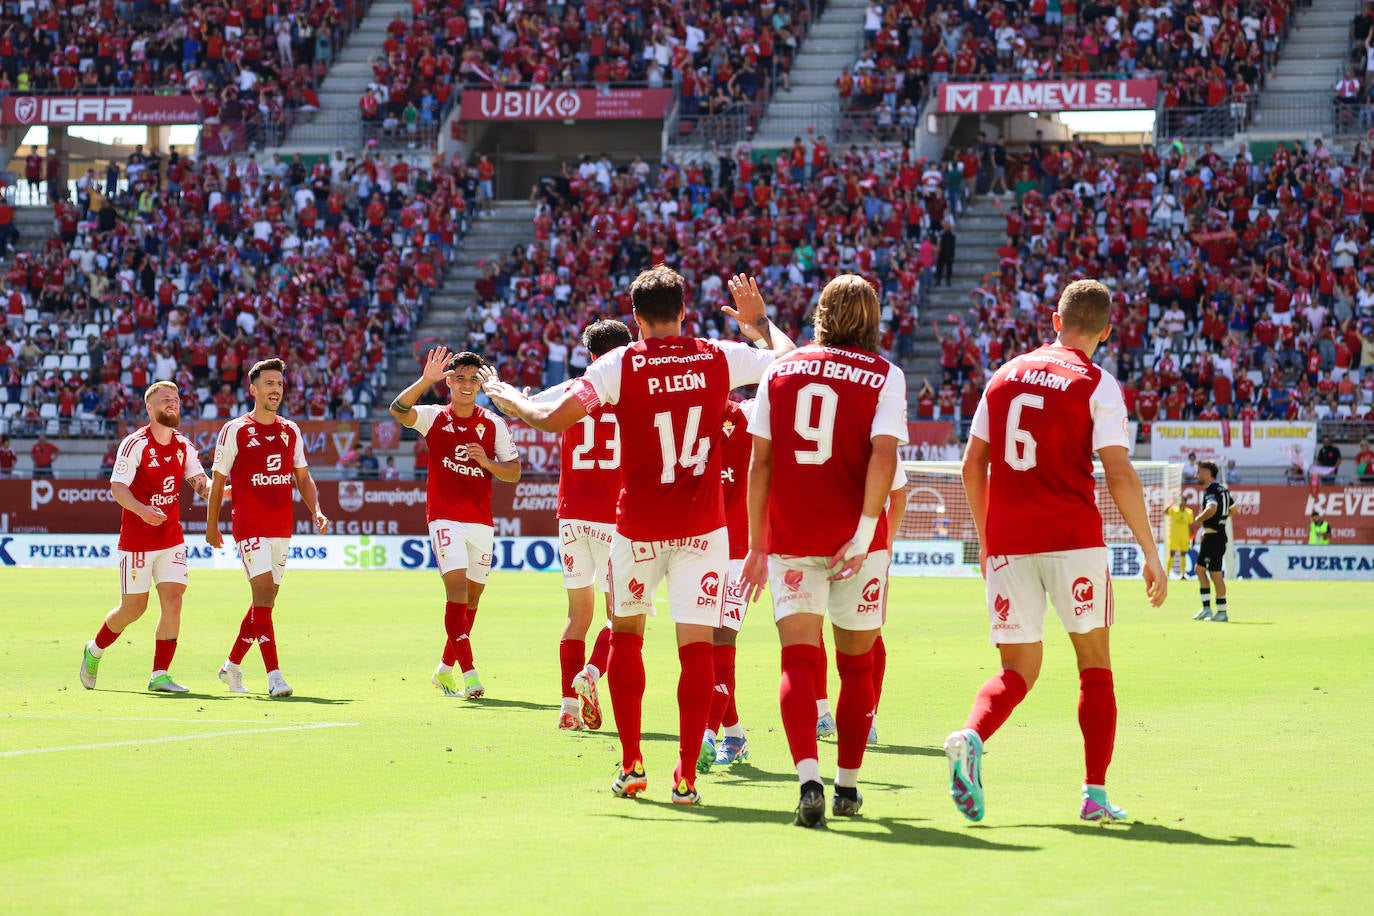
x,y
670,393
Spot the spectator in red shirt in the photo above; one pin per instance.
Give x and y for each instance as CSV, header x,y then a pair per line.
x,y
7,457
43,453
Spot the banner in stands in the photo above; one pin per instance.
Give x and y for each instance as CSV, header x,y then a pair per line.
x,y
1046,95
1251,444
353,507
325,441
538,450
99,109
922,436
564,104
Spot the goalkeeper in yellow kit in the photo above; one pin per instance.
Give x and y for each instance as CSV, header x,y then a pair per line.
x,y
1180,536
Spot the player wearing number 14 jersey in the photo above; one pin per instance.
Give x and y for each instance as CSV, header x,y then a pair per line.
x,y
1028,471
670,394
146,482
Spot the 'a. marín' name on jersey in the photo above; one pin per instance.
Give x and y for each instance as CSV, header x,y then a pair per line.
x,y
1040,377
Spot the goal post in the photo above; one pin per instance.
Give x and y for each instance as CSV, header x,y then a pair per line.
x,y
938,537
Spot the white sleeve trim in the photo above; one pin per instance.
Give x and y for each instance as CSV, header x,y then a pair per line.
x,y
747,363
980,426
759,423
194,468
298,454
889,418
604,377
1108,409
425,415
505,446
126,466
227,448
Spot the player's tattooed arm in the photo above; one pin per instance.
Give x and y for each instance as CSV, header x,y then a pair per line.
x,y
752,314
400,408
201,485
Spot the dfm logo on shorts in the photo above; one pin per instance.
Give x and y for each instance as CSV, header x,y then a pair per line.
x,y
710,590
872,591
1082,596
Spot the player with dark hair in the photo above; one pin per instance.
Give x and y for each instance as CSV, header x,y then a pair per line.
x,y
1211,551
670,393
468,445
827,424
588,486
1028,472
261,456
146,481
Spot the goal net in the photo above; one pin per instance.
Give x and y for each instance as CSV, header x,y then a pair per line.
x,y
937,509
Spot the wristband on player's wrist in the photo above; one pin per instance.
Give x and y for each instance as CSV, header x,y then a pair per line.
x,y
863,536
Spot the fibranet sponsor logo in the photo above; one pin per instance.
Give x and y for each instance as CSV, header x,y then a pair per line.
x,y
270,480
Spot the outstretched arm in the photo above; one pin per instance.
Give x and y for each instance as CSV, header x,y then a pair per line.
x,y
751,313
435,370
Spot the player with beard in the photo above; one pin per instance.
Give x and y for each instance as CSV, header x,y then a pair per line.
x,y
262,457
670,392
146,481
468,446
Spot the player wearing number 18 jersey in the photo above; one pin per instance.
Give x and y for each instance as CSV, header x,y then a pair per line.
x,y
826,429
146,482
670,393
1028,471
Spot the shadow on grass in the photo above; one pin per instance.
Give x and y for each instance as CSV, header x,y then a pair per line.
x,y
905,831
747,772
1152,833
481,702
148,693
901,750
296,698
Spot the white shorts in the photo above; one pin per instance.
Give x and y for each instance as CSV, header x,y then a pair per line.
x,y
264,555
695,567
801,585
140,570
463,545
586,553
1076,581
734,606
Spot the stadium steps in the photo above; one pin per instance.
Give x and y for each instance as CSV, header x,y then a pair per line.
x,y
832,44
489,239
35,227
1311,62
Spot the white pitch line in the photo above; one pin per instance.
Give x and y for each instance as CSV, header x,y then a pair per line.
x,y
228,734
146,719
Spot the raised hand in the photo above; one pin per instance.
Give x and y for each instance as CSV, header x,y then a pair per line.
x,y
749,309
436,365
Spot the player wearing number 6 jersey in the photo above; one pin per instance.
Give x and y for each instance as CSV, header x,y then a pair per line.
x,y
468,446
670,393
588,487
262,456
1028,471
146,482
826,427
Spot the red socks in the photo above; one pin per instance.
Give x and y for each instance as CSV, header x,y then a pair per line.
x,y
995,701
570,655
105,638
267,637
247,636
626,659
854,711
695,685
879,653
457,625
601,651
163,650
797,697
1097,719
723,695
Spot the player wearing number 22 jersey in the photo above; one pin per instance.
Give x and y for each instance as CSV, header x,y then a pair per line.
x,y
1028,472
670,395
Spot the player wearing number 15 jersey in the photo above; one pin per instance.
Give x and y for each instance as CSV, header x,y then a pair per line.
x,y
670,394
146,482
262,457
826,429
1028,471
588,489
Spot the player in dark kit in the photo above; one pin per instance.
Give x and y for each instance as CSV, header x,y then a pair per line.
x,y
1211,551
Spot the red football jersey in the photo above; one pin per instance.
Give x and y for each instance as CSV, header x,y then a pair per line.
x,y
736,446
459,489
672,393
153,473
821,407
588,463
1044,414
260,461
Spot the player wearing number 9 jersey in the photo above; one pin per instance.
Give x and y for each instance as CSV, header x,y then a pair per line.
x,y
670,394
1028,471
826,427
588,488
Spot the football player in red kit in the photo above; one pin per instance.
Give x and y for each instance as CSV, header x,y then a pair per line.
x,y
261,455
468,447
1028,471
826,553
146,482
671,392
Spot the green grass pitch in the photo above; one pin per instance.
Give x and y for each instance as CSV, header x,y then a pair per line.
x,y
1241,752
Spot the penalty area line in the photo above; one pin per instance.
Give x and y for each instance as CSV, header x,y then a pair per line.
x,y
203,735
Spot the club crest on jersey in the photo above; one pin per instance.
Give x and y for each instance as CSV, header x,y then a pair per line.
x,y
481,428
727,427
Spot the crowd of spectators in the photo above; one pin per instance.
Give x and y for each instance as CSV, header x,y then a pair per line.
x,y
1207,53
193,270
718,55
250,62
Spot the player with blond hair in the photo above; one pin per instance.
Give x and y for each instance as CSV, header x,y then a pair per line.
x,y
1028,472
146,481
